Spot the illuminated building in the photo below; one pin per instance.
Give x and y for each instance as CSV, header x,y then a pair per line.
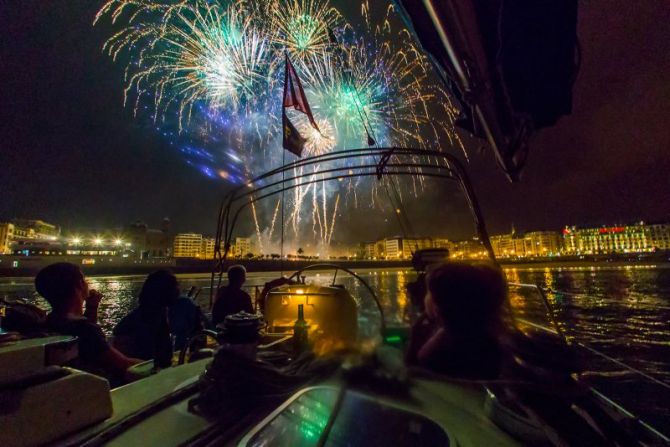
x,y
393,248
542,243
370,250
6,237
242,246
504,246
35,229
187,245
469,249
207,248
443,243
659,236
411,245
403,248
615,239
380,249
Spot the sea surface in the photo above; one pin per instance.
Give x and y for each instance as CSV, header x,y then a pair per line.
x,y
622,312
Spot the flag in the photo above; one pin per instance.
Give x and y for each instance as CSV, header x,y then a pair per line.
x,y
293,141
294,96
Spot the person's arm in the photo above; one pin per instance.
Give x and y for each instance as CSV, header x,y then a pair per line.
x,y
92,304
122,343
422,330
248,305
93,347
113,360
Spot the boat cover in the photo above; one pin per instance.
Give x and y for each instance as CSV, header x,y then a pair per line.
x,y
511,64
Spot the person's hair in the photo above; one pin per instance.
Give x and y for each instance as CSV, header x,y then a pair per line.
x,y
160,289
469,298
237,274
57,283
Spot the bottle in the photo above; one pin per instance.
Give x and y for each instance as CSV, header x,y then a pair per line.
x,y
300,335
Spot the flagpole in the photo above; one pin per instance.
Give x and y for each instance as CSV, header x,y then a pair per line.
x,y
283,173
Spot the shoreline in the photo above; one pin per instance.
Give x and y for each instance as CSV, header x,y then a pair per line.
x,y
29,267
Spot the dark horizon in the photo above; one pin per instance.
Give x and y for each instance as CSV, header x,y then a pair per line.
x,y
73,156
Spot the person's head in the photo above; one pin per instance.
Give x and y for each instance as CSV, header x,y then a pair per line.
x,y
63,286
466,298
237,274
159,290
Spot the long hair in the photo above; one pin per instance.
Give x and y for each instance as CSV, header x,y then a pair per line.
x,y
159,290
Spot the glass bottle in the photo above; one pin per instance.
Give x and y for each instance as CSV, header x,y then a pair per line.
x,y
300,335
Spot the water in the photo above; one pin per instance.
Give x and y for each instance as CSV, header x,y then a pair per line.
x,y
623,312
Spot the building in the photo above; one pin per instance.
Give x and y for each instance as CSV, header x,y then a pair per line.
x,y
187,245
207,248
542,243
659,236
35,229
403,248
636,238
370,250
504,245
242,246
534,243
443,243
6,237
412,245
393,248
146,242
469,249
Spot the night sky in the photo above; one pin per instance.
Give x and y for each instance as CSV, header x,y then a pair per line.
x,y
72,155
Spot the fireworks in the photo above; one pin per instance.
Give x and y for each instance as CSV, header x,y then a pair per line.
x,y
303,28
318,141
192,51
212,72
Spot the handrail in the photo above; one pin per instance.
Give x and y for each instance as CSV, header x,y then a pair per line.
x,y
450,168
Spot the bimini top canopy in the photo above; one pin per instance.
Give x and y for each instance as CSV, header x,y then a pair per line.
x,y
365,162
510,63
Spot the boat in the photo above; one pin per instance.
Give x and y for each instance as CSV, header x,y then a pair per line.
x,y
265,386
351,387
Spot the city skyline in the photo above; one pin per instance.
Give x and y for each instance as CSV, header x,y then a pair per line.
x,y
30,237
71,152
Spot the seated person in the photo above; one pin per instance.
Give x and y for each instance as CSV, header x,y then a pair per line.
x,y
145,332
231,299
186,319
460,333
64,287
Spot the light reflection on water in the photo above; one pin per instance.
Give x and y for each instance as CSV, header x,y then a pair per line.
x,y
624,312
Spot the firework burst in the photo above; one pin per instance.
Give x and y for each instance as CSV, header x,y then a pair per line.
x,y
190,52
318,141
303,28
